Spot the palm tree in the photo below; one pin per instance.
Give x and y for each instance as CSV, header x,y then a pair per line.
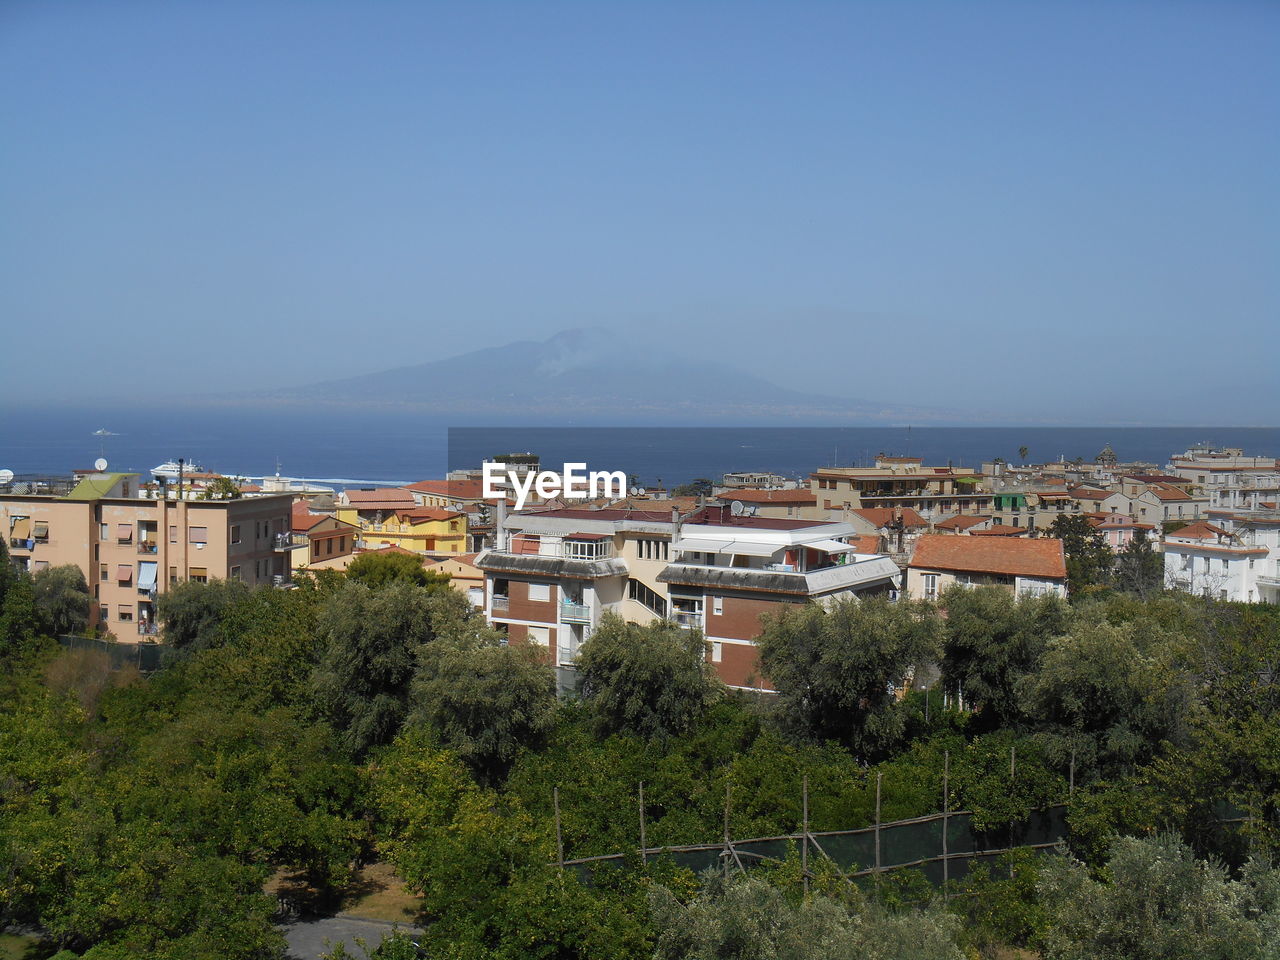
x,y
1022,453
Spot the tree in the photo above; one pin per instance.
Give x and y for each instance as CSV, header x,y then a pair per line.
x,y
370,645
485,702
62,598
192,612
748,919
1022,453
701,487
1089,558
835,667
7,573
1139,569
221,488
992,640
378,569
651,680
1161,903
19,618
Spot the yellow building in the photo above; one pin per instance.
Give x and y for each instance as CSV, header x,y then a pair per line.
x,y
418,529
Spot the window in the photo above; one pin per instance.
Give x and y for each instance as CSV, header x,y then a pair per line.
x,y
539,592
173,575
199,574
103,573
642,594
717,651
717,606
328,546
198,535
235,573
40,531
126,611
104,531
931,586
541,636
173,533
235,533
41,565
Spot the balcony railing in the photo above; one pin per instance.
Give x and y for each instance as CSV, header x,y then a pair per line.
x,y
148,547
687,618
287,541
565,550
575,613
501,602
147,629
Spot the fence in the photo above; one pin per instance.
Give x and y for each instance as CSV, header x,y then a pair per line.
x,y
943,846
144,656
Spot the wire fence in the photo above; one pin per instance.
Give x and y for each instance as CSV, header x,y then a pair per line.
x,y
145,657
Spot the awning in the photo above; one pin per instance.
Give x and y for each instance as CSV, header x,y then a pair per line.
x,y
21,528
124,531
41,531
124,572
146,575
831,546
746,548
702,546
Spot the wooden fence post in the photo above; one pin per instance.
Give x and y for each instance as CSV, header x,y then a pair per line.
x,y
644,846
946,815
878,776
555,801
804,843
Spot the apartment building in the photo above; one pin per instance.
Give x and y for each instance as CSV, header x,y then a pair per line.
x,y
554,575
1236,558
132,548
900,482
392,517
1228,478
1023,566
784,504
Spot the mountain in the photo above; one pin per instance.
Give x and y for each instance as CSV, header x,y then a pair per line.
x,y
590,375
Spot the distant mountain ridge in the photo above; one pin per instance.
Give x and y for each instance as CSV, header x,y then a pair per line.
x,y
594,375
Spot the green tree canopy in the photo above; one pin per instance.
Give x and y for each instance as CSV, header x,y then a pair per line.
x,y
992,640
485,702
62,598
1139,569
835,667
651,680
378,569
1089,558
192,612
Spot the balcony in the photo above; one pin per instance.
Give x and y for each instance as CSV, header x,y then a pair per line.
x,y
147,629
501,602
860,574
574,613
688,619
147,546
285,542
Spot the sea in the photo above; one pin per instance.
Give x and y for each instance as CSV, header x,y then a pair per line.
x,y
362,448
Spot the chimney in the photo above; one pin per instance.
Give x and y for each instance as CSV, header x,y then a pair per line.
x,y
500,528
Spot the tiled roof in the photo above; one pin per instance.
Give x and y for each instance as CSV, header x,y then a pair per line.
x,y
1166,492
999,530
865,543
884,516
1012,556
421,514
379,496
962,521
1087,493
458,489
1200,530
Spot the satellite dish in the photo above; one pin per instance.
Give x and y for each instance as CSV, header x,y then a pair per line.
x,y
6,476
100,464
640,492
634,491
735,507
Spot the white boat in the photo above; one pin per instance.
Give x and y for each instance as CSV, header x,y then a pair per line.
x,y
169,470
104,432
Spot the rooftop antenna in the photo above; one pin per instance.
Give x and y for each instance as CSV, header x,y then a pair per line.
x,y
100,464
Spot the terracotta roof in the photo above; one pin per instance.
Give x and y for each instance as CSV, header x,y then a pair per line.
x,y
884,516
1166,492
426,513
962,521
865,543
458,489
999,530
1200,530
1013,556
393,495
1087,493
769,496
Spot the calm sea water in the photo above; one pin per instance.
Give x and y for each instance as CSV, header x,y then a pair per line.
x,y
399,447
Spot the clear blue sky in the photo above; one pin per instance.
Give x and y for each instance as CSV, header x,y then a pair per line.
x,y
1062,209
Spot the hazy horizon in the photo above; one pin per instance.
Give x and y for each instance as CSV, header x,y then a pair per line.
x,y
1061,211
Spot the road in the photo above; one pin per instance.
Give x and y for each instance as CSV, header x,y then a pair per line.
x,y
311,939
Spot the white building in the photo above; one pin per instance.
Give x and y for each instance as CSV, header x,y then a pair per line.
x,y
1235,559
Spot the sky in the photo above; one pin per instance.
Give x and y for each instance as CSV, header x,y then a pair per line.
x,y
1049,209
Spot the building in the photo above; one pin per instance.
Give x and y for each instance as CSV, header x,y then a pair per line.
x,y
391,517
1227,478
132,548
900,482
774,503
1236,561
554,575
1024,566
320,540
962,524
464,576
1118,529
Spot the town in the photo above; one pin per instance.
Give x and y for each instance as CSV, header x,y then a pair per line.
x,y
715,556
